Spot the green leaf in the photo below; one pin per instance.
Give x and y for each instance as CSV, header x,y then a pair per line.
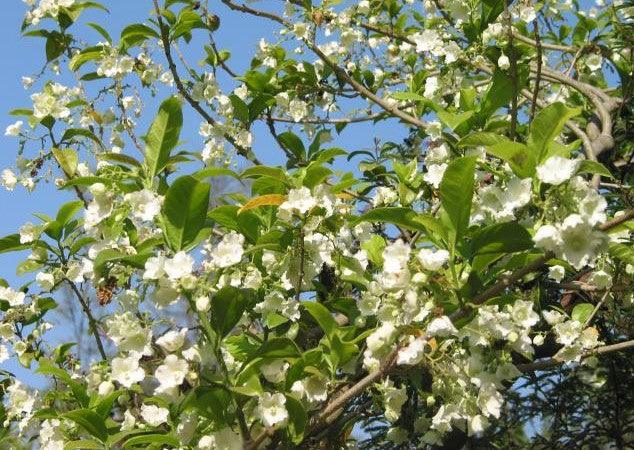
x,y
521,158
374,248
186,22
86,55
482,138
227,307
582,312
297,419
67,211
144,440
71,133
120,158
547,125
215,172
185,211
623,252
89,421
494,241
135,34
293,144
588,166
111,255
277,348
402,217
210,401
412,96
46,367
456,193
56,43
11,243
507,237
322,316
498,95
83,445
103,407
163,136
101,30
265,171
453,120
315,174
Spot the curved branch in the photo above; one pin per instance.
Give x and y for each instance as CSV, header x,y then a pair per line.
x,y
248,154
554,362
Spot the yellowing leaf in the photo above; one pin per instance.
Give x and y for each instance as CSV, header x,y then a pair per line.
x,y
264,200
67,159
433,344
345,196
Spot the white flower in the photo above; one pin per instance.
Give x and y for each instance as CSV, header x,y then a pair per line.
x,y
8,179
413,353
105,388
555,170
432,260
45,104
15,298
275,371
592,208
434,174
393,400
298,109
477,424
271,409
145,204
314,388
523,314
557,273
128,334
553,317
503,62
229,250
128,421
100,207
397,435
580,241
154,415
14,129
594,62
601,279
179,266
384,196
501,203
126,371
396,256
28,233
172,340
225,439
567,332
527,13
154,268
490,400
171,373
441,326
4,353
298,201
45,280
547,237
589,338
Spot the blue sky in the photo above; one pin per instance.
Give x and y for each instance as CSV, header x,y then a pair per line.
x,y
24,56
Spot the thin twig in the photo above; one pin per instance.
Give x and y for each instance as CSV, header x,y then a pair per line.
x,y
538,46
